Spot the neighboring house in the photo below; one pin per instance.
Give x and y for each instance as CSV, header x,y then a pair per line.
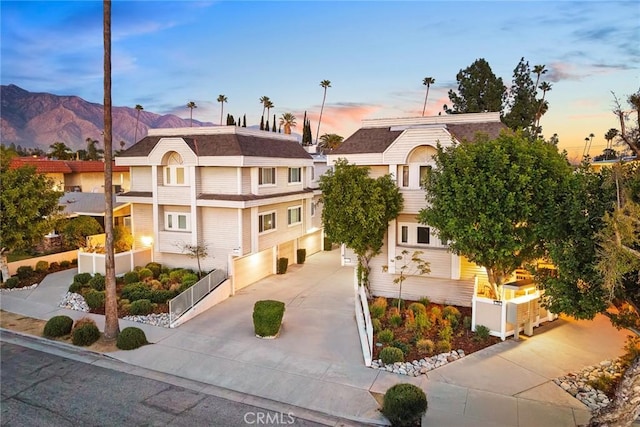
x,y
246,194
93,204
76,175
404,148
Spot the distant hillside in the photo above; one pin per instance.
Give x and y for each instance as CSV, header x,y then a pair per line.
x,y
37,120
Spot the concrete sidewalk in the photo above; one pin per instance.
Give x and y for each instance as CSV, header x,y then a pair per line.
x,y
316,364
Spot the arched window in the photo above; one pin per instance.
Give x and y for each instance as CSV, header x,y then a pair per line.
x,y
419,163
174,171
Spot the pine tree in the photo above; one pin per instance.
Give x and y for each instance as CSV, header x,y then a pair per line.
x,y
262,123
521,103
273,129
266,126
244,121
306,136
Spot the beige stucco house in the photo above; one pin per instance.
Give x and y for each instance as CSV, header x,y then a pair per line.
x,y
250,196
404,148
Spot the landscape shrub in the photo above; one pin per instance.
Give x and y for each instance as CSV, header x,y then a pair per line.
x,y
54,266
377,325
409,321
267,317
136,291
131,277
161,296
76,287
42,266
95,299
189,279
141,307
145,273
12,282
283,264
394,303
156,268
422,322
327,244
58,326
435,315
301,256
393,310
452,314
65,264
482,333
131,338
395,320
466,323
445,332
385,336
177,274
377,309
82,278
404,347
390,355
85,332
24,272
425,346
165,281
605,383
443,346
425,301
404,404
97,282
417,308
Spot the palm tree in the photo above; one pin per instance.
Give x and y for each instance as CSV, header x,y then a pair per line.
x,y
546,87
138,109
428,81
60,151
191,105
329,142
611,133
587,144
268,105
538,70
93,153
111,326
287,120
264,100
221,99
324,84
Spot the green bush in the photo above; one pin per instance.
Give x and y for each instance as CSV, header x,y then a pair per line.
x,y
424,301
301,256
436,315
390,355
394,303
58,326
605,383
65,264
385,336
76,287
189,279
466,323
177,274
131,277
422,322
85,333
145,273
452,314
54,266
136,291
156,268
404,404
417,308
425,346
283,264
12,282
97,282
327,245
445,333
377,325
141,307
376,311
95,299
267,317
395,320
131,338
443,346
24,272
404,347
42,266
161,296
82,278
482,333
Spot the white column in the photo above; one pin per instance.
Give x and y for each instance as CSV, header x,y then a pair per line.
x,y
455,267
193,194
154,204
254,230
391,246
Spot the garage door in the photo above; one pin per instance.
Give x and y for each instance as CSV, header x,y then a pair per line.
x,y
250,269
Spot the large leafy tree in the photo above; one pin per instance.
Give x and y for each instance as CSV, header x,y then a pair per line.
x,y
629,133
521,101
28,205
479,90
93,152
357,210
492,199
60,151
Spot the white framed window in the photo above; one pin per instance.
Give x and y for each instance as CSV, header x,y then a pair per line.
x,y
266,222
177,221
294,215
267,176
404,234
175,172
313,209
414,234
295,175
424,172
405,176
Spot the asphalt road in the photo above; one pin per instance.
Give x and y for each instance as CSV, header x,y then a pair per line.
x,y
42,389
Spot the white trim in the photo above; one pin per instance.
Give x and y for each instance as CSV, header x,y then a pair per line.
x,y
275,222
261,170
299,181
175,216
289,209
412,230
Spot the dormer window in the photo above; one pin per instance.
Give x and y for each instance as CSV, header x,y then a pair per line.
x,y
174,171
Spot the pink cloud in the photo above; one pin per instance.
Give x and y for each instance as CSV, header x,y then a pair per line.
x,y
342,119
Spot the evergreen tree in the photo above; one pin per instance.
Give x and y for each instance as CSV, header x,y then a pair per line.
x,y
266,126
273,128
479,90
244,121
262,123
306,130
230,120
521,102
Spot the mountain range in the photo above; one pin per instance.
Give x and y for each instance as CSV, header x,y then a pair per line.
x,y
37,120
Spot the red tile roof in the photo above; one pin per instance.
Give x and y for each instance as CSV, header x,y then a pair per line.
x,y
63,166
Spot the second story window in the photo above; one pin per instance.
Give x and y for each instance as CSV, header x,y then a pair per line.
x,y
174,171
295,177
294,215
266,222
267,176
176,221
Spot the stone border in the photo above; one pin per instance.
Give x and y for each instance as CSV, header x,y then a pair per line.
x,y
419,367
576,383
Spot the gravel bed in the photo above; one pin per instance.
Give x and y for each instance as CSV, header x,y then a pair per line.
x,y
577,383
419,367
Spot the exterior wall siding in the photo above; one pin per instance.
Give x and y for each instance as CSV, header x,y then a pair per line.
x,y
142,223
246,180
218,180
282,183
414,201
141,178
177,195
378,171
283,232
246,231
398,152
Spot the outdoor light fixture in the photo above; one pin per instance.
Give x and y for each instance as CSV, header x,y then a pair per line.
x,y
147,240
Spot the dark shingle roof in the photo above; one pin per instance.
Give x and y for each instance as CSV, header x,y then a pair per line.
x,y
466,132
368,140
226,145
137,194
247,197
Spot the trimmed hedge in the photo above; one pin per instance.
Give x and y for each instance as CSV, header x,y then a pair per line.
x,y
136,291
42,266
301,256
131,338
391,355
267,317
24,272
95,299
283,264
404,404
85,332
131,277
97,282
12,282
58,326
141,307
82,278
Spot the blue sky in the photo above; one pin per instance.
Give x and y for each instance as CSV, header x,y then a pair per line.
x,y
375,53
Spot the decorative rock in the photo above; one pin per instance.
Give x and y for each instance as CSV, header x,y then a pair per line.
x,y
24,288
577,383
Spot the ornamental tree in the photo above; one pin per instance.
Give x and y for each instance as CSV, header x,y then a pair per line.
x,y
479,90
494,199
357,210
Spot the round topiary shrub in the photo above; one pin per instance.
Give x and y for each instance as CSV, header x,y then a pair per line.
x,y
155,267
76,287
161,296
136,291
391,355
385,336
12,282
267,317
94,299
97,282
145,273
85,332
42,266
141,307
24,272
82,278
65,264
417,308
404,405
131,277
131,338
395,320
58,326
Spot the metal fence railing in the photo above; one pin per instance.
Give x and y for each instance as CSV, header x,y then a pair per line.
x,y
183,302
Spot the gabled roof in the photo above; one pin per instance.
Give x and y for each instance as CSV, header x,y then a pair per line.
x,y
368,140
91,204
63,166
226,144
466,132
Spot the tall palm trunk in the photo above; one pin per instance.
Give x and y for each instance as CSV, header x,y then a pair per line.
x,y
425,101
324,96
111,326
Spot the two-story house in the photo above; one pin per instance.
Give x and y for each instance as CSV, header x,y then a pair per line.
x,y
404,148
246,195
